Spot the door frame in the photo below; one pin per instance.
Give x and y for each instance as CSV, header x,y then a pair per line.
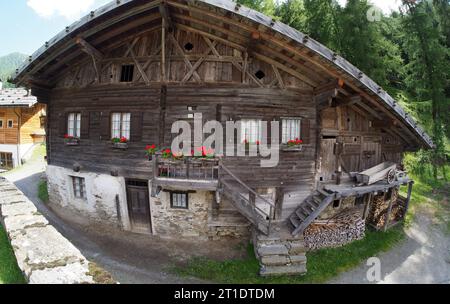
x,y
129,209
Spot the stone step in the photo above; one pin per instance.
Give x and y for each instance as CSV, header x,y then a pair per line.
x,y
275,260
296,269
298,259
266,250
296,248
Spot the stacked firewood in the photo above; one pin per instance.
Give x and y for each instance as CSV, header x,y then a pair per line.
x,y
379,209
342,229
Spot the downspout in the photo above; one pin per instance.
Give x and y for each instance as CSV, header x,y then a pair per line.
x,y
18,136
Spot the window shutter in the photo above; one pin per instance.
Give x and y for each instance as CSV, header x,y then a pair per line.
x,y
136,126
306,132
105,125
63,124
84,132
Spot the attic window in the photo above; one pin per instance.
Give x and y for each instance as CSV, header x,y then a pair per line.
x,y
188,46
127,73
260,74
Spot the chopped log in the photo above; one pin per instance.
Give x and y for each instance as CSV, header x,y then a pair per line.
x,y
342,229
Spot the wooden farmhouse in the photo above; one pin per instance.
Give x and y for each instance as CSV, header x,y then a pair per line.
x,y
117,80
22,122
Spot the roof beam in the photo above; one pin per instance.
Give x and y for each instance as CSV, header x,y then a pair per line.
x,y
165,14
89,49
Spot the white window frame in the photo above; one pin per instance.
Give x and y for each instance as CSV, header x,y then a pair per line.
x,y
12,124
79,187
179,200
291,128
121,125
251,130
74,125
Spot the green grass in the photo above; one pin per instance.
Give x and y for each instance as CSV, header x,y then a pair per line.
x,y
322,265
43,191
9,271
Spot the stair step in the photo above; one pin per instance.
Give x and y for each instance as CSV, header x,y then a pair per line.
x,y
295,269
323,192
312,202
317,199
310,208
298,259
275,260
300,214
295,220
268,250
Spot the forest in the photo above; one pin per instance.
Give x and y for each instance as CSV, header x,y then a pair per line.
x,y
407,53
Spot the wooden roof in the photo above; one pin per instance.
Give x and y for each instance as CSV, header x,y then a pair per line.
x,y
229,23
16,98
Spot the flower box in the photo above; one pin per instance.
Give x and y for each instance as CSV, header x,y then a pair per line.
x,y
120,146
297,148
72,141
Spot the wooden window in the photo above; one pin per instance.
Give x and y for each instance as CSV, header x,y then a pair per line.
x,y
179,200
10,124
251,130
74,125
1,123
120,125
79,187
6,161
291,129
127,73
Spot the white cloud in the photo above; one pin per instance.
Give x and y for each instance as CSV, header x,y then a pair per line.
x,y
385,5
69,9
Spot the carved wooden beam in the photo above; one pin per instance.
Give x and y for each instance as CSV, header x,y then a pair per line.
x,y
165,14
346,101
89,49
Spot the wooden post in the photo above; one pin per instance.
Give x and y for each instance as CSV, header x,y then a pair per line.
x,y
163,51
367,205
408,197
388,213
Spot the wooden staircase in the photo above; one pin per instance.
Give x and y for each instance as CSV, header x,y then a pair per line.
x,y
257,209
310,210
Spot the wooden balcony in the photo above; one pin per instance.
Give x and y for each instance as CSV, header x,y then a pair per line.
x,y
186,174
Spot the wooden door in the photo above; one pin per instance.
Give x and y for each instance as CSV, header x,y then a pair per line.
x,y
139,206
370,156
328,159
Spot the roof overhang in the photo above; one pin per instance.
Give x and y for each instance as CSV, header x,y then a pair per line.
x,y
321,57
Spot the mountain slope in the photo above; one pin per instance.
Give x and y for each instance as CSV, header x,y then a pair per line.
x,y
9,64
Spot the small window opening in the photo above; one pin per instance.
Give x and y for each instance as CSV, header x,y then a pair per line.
x,y
127,73
348,119
355,139
179,200
260,74
336,203
188,46
321,178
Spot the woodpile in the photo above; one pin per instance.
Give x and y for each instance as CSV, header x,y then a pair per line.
x,y
380,206
340,230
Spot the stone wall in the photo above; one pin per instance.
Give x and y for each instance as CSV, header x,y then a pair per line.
x,y
105,197
43,254
191,222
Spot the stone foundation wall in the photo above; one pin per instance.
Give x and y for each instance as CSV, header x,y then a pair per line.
x,y
172,222
43,254
105,197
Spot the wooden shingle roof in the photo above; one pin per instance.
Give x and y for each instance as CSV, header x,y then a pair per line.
x,y
242,19
16,98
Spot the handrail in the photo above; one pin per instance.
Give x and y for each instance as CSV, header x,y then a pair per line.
x,y
245,185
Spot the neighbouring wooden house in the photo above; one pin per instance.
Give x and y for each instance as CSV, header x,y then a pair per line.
x,y
22,121
132,68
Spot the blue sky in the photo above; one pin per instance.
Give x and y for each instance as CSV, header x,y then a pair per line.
x,y
27,24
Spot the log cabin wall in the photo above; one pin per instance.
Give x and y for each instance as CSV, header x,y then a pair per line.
x,y
364,144
9,136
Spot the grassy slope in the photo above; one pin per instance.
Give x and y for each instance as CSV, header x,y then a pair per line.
x,y
9,271
322,264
